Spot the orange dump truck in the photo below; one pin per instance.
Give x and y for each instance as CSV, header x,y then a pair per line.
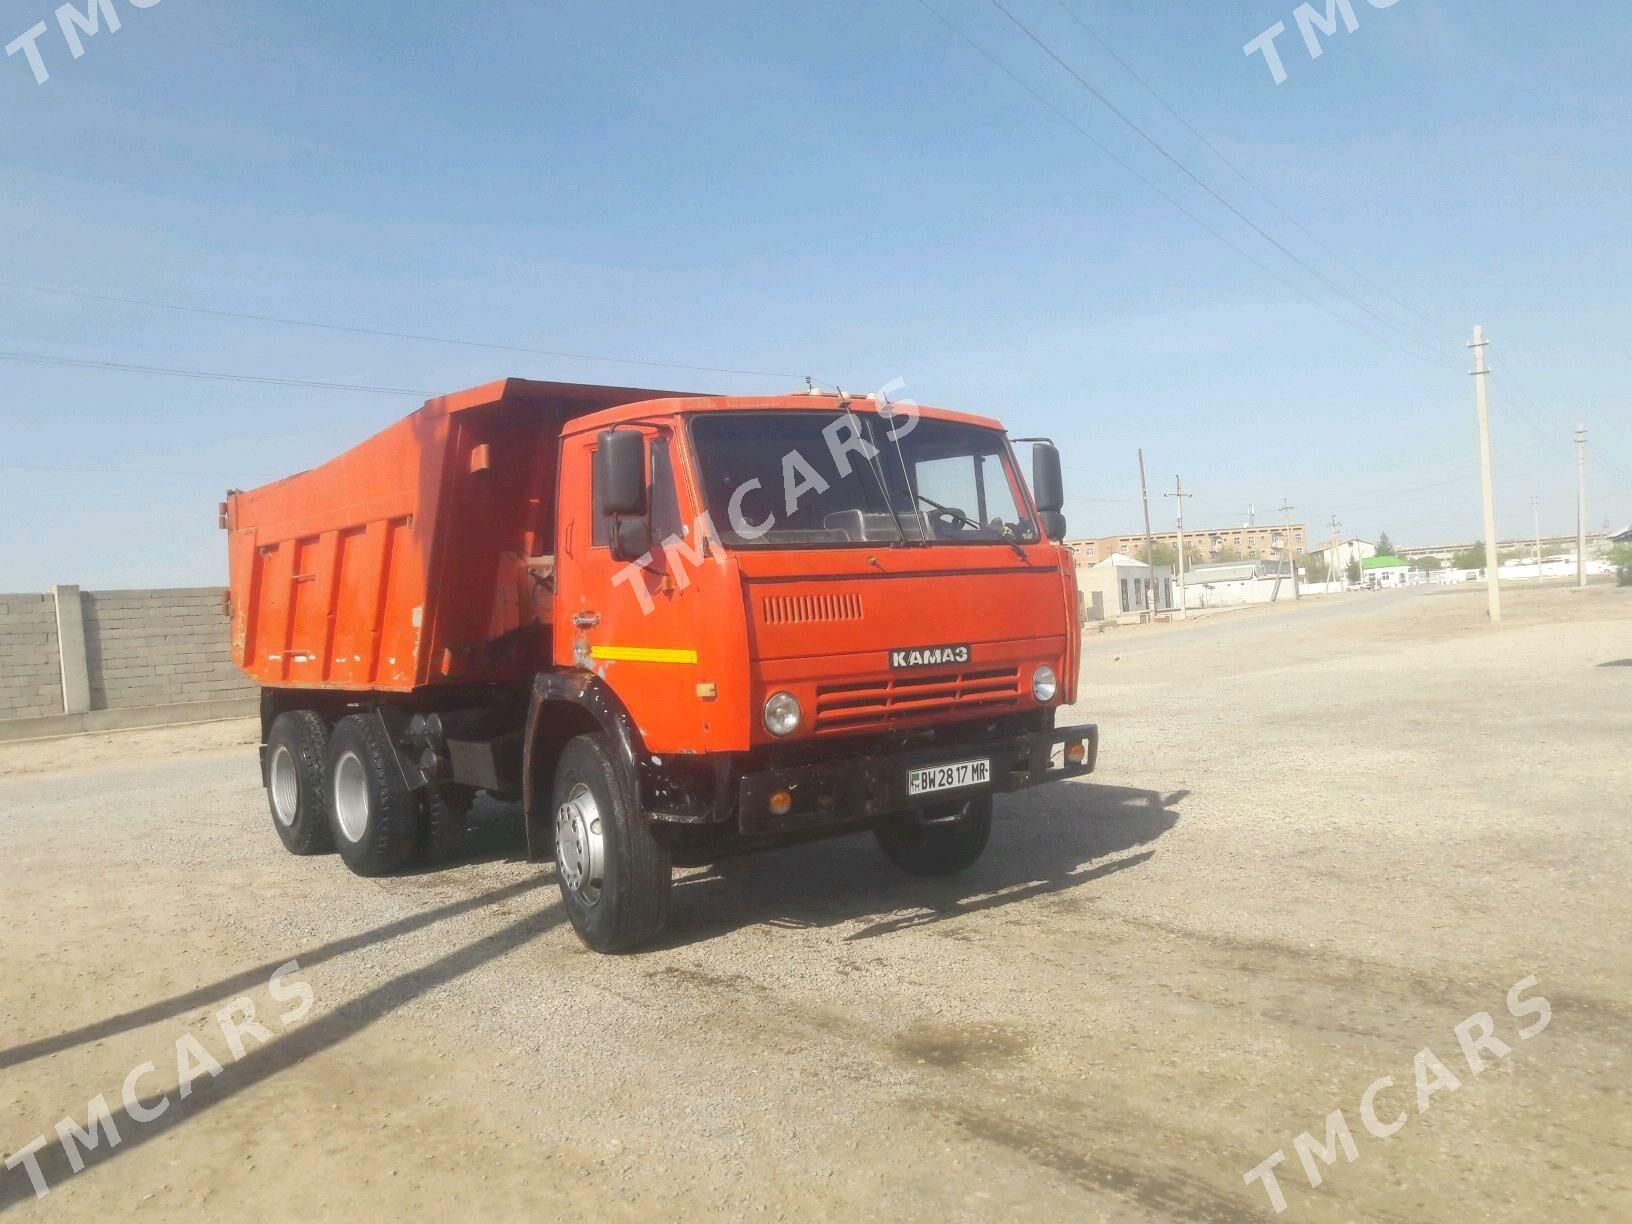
x,y
673,627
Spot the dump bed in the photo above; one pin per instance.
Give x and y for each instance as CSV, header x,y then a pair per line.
x,y
420,556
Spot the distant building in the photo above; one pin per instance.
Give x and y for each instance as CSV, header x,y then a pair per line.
x,y
1247,543
1385,571
1227,583
1447,553
1339,554
1120,586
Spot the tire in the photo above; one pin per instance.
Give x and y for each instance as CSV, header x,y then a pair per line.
x,y
925,849
443,825
297,775
373,815
615,876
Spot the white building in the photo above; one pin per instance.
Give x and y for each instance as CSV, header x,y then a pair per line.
x,y
1340,553
1386,572
1120,585
1228,583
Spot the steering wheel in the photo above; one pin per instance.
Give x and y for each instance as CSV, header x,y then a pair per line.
x,y
954,520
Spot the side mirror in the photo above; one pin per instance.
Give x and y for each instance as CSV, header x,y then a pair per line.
x,y
1053,524
631,539
1047,485
620,472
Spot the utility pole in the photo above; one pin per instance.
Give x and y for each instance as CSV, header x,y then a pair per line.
x,y
1252,516
1179,495
1150,568
1535,511
1493,554
1580,505
1291,559
1336,529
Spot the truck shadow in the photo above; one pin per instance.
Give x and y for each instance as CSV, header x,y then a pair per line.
x,y
498,834
1044,842
251,979
143,1121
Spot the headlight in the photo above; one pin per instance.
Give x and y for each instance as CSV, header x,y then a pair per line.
x,y
1043,683
782,714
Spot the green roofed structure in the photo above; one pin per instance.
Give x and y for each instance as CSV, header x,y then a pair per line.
x,y
1386,571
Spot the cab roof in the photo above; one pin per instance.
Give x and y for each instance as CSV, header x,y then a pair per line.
x,y
762,403
590,406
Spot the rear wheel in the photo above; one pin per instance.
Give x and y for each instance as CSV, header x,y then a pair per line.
x,y
296,773
615,875
942,839
373,815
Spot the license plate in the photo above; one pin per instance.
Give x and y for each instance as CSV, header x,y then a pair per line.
x,y
934,778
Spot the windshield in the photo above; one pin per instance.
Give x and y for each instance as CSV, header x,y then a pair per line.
x,y
826,479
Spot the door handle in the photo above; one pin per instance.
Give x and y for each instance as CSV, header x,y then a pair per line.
x,y
586,620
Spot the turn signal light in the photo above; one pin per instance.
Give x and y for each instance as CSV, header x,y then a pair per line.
x,y
1076,752
781,802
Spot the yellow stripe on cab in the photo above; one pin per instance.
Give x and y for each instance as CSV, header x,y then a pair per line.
x,y
643,654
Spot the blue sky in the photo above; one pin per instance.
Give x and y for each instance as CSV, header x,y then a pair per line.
x,y
836,188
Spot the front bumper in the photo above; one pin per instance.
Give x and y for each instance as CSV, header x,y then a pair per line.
x,y
857,788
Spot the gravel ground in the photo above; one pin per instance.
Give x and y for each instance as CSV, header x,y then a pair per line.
x,y
1321,837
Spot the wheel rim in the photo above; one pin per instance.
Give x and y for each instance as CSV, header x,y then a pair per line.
x,y
351,796
580,845
285,784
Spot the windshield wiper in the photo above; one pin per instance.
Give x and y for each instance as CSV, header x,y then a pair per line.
x,y
873,453
948,510
960,516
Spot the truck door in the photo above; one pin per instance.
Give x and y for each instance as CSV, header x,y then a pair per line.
x,y
633,624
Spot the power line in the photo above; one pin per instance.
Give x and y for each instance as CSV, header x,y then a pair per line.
x,y
170,372
1242,174
1199,181
1509,405
1130,169
371,331
1535,407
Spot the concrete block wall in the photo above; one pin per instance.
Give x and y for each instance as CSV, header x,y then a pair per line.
x,y
30,667
73,661
167,647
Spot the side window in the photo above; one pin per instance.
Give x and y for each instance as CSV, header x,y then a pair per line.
x,y
997,499
665,499
600,525
951,482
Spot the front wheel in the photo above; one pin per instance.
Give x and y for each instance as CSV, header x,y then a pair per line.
x,y
942,839
615,875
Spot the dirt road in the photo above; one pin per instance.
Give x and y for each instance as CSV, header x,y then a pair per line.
x,y
1320,839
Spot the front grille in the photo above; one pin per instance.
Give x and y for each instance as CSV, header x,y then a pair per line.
x,y
871,704
805,609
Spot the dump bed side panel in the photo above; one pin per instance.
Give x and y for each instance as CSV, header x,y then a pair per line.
x,y
329,568
418,557
487,618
